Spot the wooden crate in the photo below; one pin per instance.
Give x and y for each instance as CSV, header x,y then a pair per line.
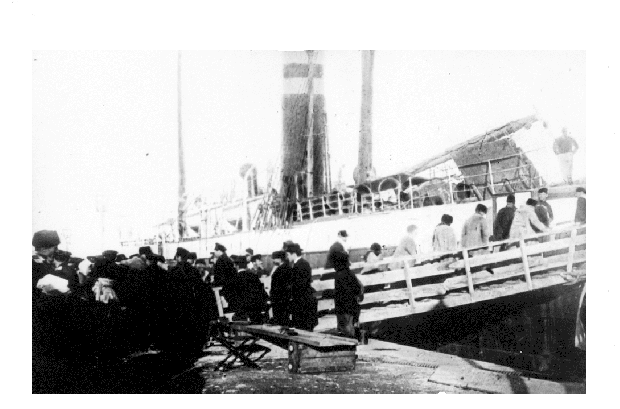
x,y
307,359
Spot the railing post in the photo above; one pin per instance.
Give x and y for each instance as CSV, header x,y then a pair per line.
x,y
571,250
526,266
409,286
470,281
490,170
339,203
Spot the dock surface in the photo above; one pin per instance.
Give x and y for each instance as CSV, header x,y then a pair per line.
x,y
381,367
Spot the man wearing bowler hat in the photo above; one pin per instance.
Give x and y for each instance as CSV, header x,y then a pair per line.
x,y
303,303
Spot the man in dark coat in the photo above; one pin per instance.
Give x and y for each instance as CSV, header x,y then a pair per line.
x,y
224,275
543,209
338,246
252,301
190,306
348,294
280,293
503,221
303,303
580,213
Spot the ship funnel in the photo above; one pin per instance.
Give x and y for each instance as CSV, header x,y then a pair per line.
x,y
303,163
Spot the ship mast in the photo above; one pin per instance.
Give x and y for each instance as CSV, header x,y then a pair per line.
x,y
181,207
310,127
364,165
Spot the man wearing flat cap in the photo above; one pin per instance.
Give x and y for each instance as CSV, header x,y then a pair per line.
x,y
249,253
280,292
224,275
303,303
503,220
543,209
339,246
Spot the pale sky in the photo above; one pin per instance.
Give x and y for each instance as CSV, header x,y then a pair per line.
x,y
105,123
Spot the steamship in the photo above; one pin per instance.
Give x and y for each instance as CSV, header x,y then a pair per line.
x,y
540,283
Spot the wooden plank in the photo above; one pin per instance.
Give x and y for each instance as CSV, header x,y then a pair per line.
x,y
571,250
526,266
470,281
537,248
303,337
310,353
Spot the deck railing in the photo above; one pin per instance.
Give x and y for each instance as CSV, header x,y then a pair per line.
x,y
421,283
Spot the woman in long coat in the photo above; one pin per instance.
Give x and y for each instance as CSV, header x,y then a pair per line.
x,y
348,294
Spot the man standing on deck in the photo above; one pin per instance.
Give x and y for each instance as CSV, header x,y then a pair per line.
x,y
444,238
565,147
503,221
476,229
580,213
525,218
340,245
543,209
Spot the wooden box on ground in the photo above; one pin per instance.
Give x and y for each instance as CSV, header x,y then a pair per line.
x,y
307,359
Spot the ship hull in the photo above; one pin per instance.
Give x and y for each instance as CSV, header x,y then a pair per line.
x,y
525,330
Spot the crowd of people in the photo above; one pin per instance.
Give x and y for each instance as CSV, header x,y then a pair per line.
x,y
111,305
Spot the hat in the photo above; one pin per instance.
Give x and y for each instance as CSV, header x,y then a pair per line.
x,y
133,255
75,260
249,251
155,257
278,254
256,257
343,233
543,190
192,256
44,239
181,252
293,248
447,219
219,247
510,198
120,257
93,258
110,254
145,250
581,189
375,247
531,202
286,243
62,255
201,261
241,261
